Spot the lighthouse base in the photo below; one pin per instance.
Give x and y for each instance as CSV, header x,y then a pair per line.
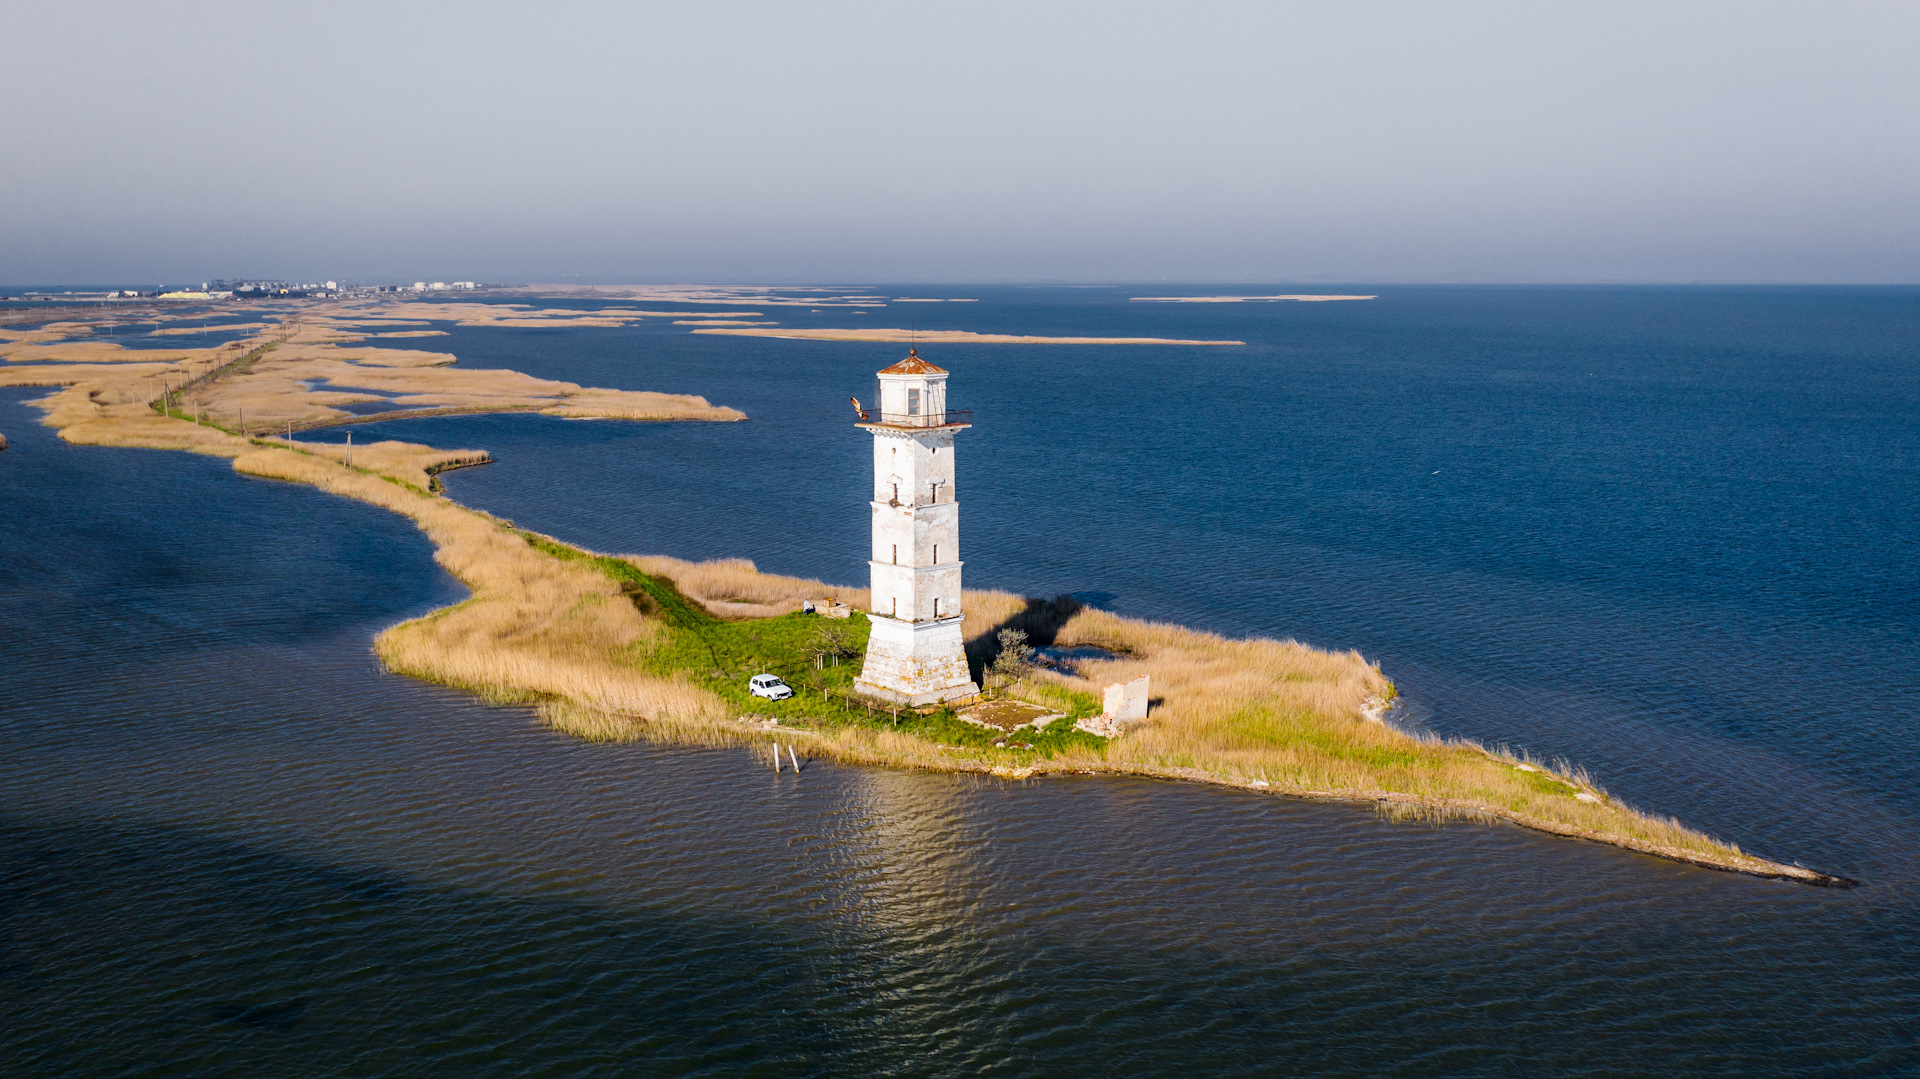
x,y
916,663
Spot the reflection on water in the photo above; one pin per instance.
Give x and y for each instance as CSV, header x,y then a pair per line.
x,y
230,845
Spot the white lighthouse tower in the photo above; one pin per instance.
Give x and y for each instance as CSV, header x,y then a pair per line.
x,y
916,654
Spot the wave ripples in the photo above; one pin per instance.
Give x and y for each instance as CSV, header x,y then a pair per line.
x,y
229,844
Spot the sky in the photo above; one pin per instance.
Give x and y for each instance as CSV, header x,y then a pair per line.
x,y
977,141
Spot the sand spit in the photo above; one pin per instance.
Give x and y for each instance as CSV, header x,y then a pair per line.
x,y
1303,298
299,376
480,314
553,625
1266,716
955,337
736,296
374,313
230,327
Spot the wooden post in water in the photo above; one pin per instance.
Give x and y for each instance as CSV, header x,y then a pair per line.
x,y
794,759
349,449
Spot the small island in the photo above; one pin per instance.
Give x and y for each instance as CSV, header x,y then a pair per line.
x,y
611,647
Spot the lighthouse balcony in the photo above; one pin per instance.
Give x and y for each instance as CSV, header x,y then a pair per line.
x,y
916,421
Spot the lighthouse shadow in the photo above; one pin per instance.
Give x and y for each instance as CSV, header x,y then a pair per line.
x,y
1041,620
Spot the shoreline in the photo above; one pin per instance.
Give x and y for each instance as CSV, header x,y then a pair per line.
x,y
591,640
947,337
1463,810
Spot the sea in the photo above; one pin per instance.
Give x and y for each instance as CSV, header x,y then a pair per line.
x,y
1664,534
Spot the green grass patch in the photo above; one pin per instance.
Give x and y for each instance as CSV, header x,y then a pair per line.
x,y
1059,736
1077,704
721,655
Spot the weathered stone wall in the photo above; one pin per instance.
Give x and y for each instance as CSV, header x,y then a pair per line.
x,y
916,653
1126,701
920,663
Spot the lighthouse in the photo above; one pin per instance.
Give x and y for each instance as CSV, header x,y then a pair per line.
x,y
916,654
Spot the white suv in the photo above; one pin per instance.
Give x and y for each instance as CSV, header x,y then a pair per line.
x,y
769,686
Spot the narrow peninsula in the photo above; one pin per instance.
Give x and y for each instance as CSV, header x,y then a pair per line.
x,y
615,647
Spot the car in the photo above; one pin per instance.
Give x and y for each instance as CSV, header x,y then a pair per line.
x,y
769,686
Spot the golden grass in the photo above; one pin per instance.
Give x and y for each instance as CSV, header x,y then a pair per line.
x,y
734,588
534,627
176,331
982,611
365,313
408,462
1273,715
90,351
724,295
107,406
52,331
952,337
590,404
1299,297
703,315
293,383
1295,720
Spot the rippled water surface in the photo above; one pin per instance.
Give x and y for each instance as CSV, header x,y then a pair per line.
x,y
1663,533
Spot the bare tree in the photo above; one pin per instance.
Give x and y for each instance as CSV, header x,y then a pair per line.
x,y
834,640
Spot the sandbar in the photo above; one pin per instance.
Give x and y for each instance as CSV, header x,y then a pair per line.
x,y
954,337
618,648
1302,298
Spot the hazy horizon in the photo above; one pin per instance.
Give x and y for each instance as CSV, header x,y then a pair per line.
x,y
1373,144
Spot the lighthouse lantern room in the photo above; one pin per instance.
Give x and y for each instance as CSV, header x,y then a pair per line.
x,y
916,654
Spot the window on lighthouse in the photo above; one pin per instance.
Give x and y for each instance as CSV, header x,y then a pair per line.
x,y
913,402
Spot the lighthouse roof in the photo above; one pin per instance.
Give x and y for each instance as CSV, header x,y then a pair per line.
x,y
914,365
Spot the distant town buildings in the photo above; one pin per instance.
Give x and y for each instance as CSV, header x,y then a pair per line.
x,y
239,288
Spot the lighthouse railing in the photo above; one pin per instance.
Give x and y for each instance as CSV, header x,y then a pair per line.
x,y
951,417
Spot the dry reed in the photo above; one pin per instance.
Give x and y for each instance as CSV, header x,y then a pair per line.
x,y
292,384
734,588
1276,715
950,337
534,627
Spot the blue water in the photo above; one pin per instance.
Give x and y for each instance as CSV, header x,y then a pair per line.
x,y
1663,533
